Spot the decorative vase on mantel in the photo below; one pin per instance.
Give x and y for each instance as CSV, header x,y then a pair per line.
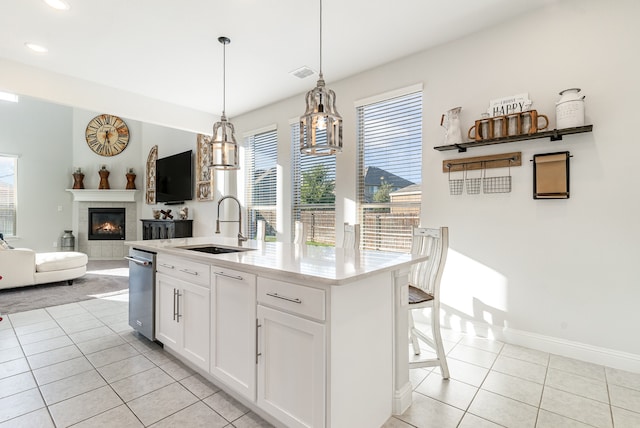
x,y
131,180
78,178
104,178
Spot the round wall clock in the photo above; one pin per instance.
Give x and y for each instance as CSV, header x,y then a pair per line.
x,y
107,135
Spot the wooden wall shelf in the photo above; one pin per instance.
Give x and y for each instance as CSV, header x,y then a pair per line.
x,y
554,135
502,160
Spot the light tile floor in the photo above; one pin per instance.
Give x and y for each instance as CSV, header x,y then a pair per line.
x,y
500,385
81,365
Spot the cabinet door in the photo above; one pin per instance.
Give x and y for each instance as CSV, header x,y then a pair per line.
x,y
194,321
233,327
291,368
167,329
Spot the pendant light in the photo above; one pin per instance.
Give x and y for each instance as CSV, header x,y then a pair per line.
x,y
321,124
224,148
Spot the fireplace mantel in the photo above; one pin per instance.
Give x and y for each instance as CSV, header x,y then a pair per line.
x,y
103,195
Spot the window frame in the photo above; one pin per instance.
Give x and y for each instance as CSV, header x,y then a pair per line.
x,y
269,138
393,231
319,218
12,205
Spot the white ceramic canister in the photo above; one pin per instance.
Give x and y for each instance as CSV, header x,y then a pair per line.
x,y
570,109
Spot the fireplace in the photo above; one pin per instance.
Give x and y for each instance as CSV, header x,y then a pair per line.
x,y
106,224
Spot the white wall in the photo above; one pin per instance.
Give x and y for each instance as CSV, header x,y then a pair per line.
x,y
557,275
562,269
40,134
50,141
142,137
169,142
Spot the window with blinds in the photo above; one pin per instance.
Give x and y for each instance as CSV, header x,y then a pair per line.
x,y
314,180
389,171
8,194
261,181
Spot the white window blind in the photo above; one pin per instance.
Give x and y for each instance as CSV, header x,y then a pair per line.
x,y
8,194
389,171
261,181
314,180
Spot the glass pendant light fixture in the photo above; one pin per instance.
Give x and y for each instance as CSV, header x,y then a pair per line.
x,y
321,124
224,148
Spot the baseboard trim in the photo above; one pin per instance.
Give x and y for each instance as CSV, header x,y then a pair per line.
x,y
402,399
554,345
566,348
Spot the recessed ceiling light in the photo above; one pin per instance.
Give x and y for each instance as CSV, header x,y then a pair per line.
x,y
58,4
6,96
36,48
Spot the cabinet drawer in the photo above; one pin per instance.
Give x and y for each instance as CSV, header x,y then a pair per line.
x,y
293,298
245,277
187,270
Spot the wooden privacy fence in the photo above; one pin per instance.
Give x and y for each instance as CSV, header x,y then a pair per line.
x,y
380,229
388,231
321,226
384,231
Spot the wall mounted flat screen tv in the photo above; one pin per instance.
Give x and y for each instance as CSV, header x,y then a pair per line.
x,y
174,178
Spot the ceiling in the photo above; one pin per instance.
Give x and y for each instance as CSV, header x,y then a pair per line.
x,y
168,50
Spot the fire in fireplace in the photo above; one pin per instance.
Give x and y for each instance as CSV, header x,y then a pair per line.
x,y
106,224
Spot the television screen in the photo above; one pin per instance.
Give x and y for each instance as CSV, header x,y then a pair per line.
x,y
174,178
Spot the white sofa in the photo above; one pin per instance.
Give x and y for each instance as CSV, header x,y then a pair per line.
x,y
20,267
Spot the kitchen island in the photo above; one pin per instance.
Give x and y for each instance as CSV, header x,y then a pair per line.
x,y
305,336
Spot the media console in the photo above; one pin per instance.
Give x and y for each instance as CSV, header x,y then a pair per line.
x,y
166,229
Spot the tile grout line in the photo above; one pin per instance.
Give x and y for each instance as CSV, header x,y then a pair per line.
x,y
44,402
480,387
606,380
544,383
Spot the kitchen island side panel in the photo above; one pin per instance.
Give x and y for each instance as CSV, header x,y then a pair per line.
x,y
361,348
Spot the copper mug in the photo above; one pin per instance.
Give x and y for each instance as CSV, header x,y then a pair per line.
x,y
529,122
513,124
482,130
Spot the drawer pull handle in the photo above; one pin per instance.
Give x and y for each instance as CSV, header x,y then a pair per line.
x,y
239,278
288,299
189,271
167,266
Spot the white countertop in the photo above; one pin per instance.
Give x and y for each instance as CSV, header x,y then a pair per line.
x,y
322,265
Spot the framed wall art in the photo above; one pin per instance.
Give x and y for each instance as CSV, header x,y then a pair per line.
x,y
204,175
150,189
551,175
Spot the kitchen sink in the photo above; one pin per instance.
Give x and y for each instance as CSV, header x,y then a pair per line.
x,y
214,249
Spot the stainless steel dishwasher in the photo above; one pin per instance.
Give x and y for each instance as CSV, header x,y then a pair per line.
x,y
142,296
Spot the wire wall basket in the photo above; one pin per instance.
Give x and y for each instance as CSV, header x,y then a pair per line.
x,y
455,185
496,184
474,185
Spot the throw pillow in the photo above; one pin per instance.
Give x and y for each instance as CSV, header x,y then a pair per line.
x,y
4,245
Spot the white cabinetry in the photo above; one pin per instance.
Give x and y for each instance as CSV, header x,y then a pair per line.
x,y
182,316
291,353
233,329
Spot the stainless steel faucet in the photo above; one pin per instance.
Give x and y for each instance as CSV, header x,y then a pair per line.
x,y
239,221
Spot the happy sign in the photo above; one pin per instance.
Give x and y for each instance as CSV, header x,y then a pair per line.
x,y
511,104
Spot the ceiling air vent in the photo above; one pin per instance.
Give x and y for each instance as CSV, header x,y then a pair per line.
x,y
302,72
